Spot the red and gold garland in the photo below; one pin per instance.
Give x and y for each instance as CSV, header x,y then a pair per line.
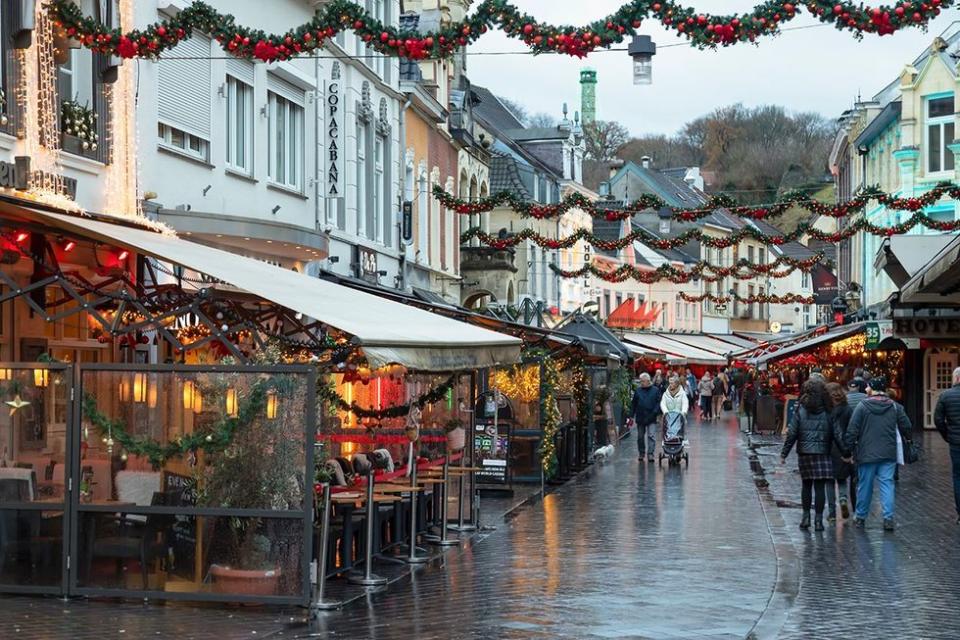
x,y
790,298
742,270
697,235
701,29
646,202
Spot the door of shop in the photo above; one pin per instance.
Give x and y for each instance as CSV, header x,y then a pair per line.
x,y
157,481
938,378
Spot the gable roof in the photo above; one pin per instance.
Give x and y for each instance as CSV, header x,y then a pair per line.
x,y
493,112
671,189
505,176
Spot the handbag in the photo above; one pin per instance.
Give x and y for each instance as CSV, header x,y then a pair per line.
x,y
911,452
727,405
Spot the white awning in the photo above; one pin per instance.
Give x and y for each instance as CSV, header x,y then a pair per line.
x,y
673,349
703,342
387,331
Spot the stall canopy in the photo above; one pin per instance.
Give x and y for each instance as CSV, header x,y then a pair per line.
x,y
936,282
676,352
388,332
777,350
704,342
587,328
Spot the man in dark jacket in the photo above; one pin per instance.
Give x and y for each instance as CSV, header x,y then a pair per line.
x,y
947,419
855,394
645,410
872,438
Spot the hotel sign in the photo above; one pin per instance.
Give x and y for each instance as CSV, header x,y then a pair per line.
x,y
18,175
333,181
931,328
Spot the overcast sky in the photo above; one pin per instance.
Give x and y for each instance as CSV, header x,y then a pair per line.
x,y
816,69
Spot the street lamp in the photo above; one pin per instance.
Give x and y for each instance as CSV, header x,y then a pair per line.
x,y
642,49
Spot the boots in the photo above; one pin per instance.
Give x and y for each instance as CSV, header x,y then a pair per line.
x,y
818,522
805,520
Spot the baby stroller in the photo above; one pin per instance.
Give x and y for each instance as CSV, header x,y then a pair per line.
x,y
674,447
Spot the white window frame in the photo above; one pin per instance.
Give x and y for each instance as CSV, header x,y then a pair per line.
x,y
190,145
362,133
291,115
239,139
941,123
379,188
423,229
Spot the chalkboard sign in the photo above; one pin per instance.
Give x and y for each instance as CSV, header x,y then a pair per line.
x,y
181,491
790,406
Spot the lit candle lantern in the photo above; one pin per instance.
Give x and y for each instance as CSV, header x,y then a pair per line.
x,y
232,409
272,404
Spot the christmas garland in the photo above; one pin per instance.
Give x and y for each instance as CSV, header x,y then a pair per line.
x,y
701,29
646,202
551,416
790,298
81,121
697,235
328,393
742,270
215,440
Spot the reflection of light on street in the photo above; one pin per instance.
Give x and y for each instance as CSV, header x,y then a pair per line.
x,y
552,541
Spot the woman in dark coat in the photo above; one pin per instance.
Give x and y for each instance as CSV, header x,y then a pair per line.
x,y
813,430
843,472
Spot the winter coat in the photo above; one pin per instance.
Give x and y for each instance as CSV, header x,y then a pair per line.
x,y
872,432
947,415
813,433
670,403
854,398
706,388
645,407
692,385
841,420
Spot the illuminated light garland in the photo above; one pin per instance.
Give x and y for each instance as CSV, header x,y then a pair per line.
x,y
520,382
697,235
701,29
646,202
790,298
550,416
742,270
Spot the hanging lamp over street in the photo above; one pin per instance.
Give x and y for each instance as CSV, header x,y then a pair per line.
x,y
642,49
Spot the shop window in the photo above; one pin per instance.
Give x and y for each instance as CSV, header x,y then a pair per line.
x,y
239,125
939,134
286,142
8,74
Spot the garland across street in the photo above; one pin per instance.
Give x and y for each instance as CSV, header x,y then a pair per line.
x,y
701,29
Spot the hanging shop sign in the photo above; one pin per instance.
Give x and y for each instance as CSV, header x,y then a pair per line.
x,y
333,182
933,328
877,332
18,175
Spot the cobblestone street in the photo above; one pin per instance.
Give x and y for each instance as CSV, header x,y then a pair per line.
x,y
627,550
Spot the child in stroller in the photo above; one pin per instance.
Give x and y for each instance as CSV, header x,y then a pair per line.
x,y
674,406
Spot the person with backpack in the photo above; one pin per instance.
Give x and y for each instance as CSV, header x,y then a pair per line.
x,y
946,417
813,430
872,438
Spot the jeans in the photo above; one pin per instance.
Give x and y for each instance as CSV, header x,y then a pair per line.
x,y
883,473
706,407
838,489
647,437
955,458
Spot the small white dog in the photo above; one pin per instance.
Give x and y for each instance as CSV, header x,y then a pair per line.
x,y
604,453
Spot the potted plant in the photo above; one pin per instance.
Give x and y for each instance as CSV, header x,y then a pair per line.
x,y
254,471
456,435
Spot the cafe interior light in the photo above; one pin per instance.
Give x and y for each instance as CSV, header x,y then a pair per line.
x,y
22,236
67,245
272,404
140,388
123,255
232,408
6,374
41,378
124,391
192,397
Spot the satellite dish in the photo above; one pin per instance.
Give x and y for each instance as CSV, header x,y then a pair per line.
x,y
775,327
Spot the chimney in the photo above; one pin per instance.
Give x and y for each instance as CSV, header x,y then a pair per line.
x,y
646,161
615,165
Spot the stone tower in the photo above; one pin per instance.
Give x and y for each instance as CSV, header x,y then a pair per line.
x,y
588,95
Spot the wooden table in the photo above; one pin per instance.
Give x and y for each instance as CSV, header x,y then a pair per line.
x,y
395,488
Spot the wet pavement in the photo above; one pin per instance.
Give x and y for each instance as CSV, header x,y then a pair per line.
x,y
625,550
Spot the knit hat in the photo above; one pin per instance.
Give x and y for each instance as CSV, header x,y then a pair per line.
x,y
878,384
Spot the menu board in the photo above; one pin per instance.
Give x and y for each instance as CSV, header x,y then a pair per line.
x,y
790,405
492,447
181,491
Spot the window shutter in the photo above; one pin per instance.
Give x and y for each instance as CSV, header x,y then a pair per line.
x,y
284,89
241,70
183,92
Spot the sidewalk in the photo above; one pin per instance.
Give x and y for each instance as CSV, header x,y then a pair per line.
x,y
872,584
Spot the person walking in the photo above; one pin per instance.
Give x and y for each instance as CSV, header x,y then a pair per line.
x,y
692,387
843,472
645,410
705,388
813,431
719,393
946,417
871,437
748,403
674,400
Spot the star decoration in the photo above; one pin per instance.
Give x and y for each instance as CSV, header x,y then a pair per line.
x,y
17,403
